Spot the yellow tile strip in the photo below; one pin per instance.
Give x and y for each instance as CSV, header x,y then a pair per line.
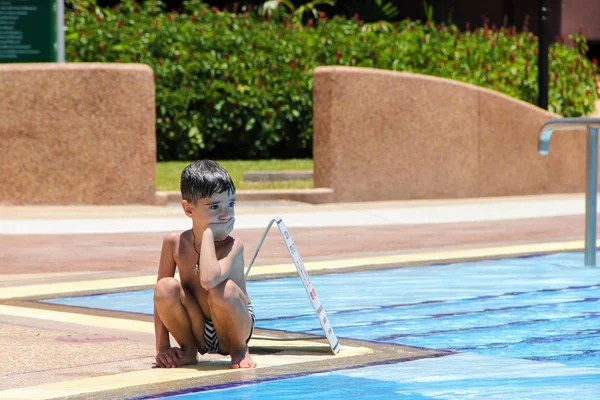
x,y
17,292
136,326
16,277
79,319
158,375
423,257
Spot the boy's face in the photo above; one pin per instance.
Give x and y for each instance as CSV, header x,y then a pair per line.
x,y
216,212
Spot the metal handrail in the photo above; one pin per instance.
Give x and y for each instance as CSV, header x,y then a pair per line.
x,y
591,126
562,124
276,219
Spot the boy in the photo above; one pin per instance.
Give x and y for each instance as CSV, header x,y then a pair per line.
x,y
209,311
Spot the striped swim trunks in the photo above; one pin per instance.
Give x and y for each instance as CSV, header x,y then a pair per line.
x,y
211,342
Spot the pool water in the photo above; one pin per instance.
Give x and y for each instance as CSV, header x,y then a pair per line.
x,y
455,377
530,322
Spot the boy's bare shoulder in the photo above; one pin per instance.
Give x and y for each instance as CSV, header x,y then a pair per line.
x,y
173,238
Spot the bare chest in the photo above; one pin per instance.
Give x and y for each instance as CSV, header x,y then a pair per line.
x,y
189,274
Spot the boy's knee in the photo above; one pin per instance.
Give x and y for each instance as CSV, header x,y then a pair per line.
x,y
167,289
227,291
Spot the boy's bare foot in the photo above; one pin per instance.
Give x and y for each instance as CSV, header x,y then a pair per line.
x,y
242,359
188,357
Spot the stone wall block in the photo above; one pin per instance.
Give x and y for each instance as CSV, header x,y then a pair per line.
x,y
77,134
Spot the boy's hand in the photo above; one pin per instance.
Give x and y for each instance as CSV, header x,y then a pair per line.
x,y
167,358
222,230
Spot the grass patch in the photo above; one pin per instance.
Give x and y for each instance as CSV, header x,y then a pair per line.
x,y
168,173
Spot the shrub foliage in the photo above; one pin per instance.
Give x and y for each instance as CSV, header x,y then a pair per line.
x,y
239,85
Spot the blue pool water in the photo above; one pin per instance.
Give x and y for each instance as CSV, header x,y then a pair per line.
x,y
518,323
455,377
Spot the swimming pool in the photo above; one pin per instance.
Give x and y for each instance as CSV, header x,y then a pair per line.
x,y
525,325
460,376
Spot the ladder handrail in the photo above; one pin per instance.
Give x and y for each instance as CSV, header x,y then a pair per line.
x,y
276,219
562,124
591,126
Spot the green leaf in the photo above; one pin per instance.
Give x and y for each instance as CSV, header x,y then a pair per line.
x,y
250,124
193,132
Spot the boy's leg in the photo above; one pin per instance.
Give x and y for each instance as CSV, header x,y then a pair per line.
x,y
181,314
232,320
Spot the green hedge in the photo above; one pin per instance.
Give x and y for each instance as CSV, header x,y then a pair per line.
x,y
240,85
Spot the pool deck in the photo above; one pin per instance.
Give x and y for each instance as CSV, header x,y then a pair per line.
x,y
51,351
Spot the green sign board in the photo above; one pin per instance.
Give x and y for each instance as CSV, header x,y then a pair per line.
x,y
27,31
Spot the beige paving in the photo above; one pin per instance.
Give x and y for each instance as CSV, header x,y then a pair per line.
x,y
158,375
41,348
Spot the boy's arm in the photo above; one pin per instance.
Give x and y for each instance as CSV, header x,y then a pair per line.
x,y
212,270
166,268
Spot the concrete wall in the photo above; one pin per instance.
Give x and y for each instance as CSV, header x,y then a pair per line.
x,y
383,135
580,12
77,134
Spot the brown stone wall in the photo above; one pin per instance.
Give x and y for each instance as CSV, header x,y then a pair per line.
x,y
580,12
77,134
383,135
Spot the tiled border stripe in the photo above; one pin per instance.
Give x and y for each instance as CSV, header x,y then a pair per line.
x,y
21,292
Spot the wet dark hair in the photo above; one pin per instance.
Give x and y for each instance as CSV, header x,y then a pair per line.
x,y
201,179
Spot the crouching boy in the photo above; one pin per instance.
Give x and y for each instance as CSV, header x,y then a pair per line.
x,y
208,310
